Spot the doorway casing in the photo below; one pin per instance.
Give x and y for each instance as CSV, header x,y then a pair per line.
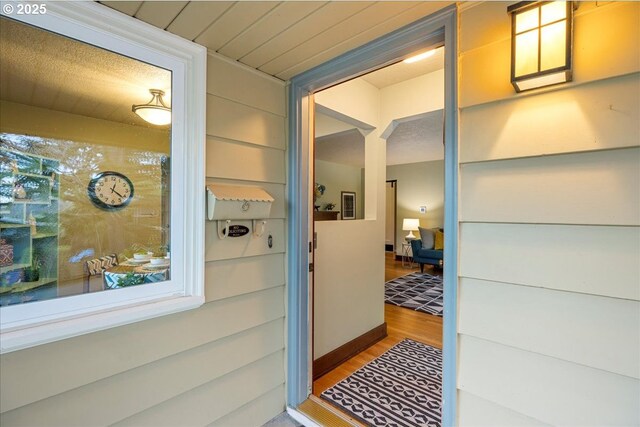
x,y
431,31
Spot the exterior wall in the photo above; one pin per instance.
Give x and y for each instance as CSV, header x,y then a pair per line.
x,y
419,184
549,289
222,364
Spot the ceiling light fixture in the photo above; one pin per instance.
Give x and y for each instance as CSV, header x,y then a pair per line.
x,y
154,111
420,56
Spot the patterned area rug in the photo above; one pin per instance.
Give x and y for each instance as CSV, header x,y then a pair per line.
x,y
417,291
403,387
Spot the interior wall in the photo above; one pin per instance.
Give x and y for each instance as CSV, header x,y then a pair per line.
x,y
229,368
548,309
419,184
85,146
402,99
338,178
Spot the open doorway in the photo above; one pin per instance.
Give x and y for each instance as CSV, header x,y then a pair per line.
x,y
391,199
427,33
385,124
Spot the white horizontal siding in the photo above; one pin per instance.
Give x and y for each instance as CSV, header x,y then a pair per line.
x,y
586,259
125,394
549,289
556,323
231,160
595,116
231,120
551,390
583,188
232,277
26,379
209,402
477,412
257,412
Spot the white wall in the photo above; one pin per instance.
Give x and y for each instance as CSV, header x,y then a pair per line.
x,y
356,99
419,184
549,286
411,97
347,301
229,368
338,178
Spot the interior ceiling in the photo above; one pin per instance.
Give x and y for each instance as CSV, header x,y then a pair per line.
x,y
400,72
415,139
42,69
345,148
283,38
412,141
418,140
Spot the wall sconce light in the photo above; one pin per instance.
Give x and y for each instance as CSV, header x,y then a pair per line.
x,y
410,225
541,43
154,111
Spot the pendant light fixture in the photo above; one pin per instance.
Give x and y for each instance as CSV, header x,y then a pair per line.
x,y
154,111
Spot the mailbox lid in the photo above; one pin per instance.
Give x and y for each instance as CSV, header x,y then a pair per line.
x,y
238,193
237,202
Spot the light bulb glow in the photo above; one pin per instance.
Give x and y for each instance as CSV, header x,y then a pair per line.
x,y
420,56
155,111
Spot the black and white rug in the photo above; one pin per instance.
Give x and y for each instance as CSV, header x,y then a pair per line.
x,y
417,291
401,388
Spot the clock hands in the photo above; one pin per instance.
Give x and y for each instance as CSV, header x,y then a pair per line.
x,y
113,190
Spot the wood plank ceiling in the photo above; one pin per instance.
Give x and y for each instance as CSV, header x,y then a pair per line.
x,y
282,39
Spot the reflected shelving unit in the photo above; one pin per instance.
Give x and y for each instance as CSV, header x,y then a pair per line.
x,y
29,222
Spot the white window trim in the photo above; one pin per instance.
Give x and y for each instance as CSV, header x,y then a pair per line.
x,y
28,325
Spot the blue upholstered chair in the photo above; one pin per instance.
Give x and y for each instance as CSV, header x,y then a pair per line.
x,y
425,253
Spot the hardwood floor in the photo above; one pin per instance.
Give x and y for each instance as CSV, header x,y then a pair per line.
x,y
393,268
401,323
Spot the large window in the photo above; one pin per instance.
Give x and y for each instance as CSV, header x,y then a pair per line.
x,y
101,134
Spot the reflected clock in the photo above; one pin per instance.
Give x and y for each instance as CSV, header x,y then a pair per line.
x,y
110,190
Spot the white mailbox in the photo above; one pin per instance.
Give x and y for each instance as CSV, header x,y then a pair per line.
x,y
235,202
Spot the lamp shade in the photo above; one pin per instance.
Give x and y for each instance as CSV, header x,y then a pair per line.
x,y
410,224
154,111
541,43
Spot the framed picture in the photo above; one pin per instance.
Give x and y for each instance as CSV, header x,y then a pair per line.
x,y
348,205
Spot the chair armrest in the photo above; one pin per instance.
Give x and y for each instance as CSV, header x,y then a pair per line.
x,y
416,245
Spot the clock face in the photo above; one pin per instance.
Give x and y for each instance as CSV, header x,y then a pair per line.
x,y
110,190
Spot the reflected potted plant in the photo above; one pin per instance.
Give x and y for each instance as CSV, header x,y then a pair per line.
x,y
32,273
329,206
130,279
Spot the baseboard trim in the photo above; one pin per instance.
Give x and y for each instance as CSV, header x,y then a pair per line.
x,y
333,359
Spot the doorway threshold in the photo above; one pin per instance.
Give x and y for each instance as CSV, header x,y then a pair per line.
x,y
314,412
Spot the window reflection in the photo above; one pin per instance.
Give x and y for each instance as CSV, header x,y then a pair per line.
x,y
84,182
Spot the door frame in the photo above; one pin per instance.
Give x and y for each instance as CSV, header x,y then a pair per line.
x,y
386,50
394,185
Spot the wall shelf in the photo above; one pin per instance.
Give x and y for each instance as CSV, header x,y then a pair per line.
x,y
39,178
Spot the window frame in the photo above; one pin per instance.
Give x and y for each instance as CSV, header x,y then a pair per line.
x,y
27,325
